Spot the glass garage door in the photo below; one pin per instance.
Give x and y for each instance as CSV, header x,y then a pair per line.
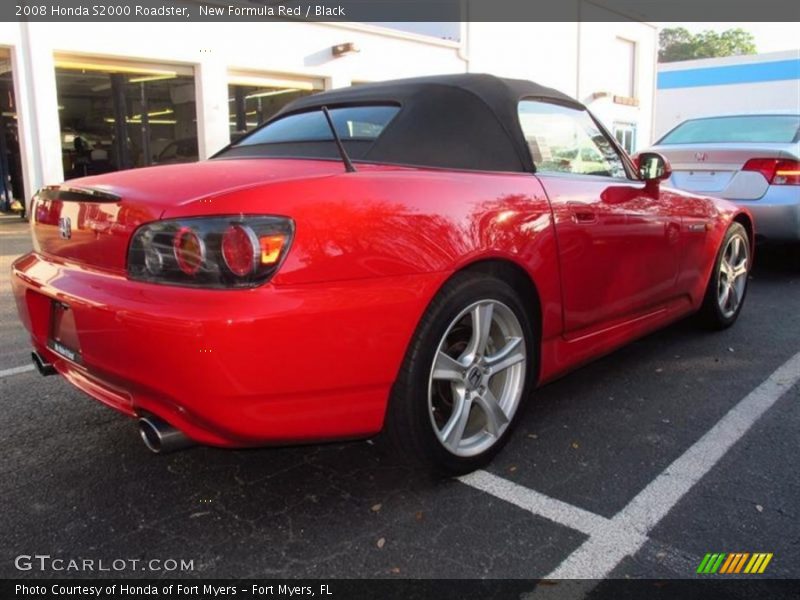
x,y
123,116
11,184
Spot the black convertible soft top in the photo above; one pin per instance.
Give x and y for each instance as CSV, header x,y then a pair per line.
x,y
463,121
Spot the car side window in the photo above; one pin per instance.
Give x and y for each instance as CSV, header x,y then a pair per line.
x,y
187,149
169,152
562,139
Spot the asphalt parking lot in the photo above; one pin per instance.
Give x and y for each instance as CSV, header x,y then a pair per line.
x,y
637,465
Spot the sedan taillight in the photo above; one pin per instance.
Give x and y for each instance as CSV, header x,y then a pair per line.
x,y
211,252
777,171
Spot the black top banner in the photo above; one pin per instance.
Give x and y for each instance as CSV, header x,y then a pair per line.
x,y
401,10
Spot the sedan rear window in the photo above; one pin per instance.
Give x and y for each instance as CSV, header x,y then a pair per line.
x,y
779,129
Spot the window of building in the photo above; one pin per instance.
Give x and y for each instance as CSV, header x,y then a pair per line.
x,y
253,99
626,135
120,116
622,74
562,139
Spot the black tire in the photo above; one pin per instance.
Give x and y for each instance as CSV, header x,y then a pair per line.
x,y
711,315
409,427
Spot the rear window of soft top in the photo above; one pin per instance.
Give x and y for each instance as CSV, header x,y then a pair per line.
x,y
352,123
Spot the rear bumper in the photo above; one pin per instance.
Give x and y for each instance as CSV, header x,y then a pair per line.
x,y
776,214
231,368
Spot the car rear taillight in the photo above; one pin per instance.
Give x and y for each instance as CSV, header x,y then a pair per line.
x,y
240,249
189,250
777,171
245,252
214,252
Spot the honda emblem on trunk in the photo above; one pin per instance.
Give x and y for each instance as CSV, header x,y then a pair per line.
x,y
700,156
65,228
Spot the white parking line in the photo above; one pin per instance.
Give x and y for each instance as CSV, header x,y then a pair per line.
x,y
654,502
16,371
611,540
595,559
539,504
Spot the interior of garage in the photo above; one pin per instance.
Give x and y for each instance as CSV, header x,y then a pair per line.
x,y
119,117
11,182
125,116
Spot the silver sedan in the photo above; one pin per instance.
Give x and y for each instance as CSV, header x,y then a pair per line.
x,y
752,160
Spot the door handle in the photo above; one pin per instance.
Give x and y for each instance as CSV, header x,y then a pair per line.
x,y
582,213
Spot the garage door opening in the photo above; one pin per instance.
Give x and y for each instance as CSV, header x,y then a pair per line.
x,y
123,116
12,189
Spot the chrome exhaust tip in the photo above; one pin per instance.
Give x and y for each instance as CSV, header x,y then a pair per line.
x,y
160,437
45,368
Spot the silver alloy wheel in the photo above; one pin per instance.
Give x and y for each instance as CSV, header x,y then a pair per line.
x,y
733,275
477,378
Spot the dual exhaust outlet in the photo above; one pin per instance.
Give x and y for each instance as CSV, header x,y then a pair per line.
x,y
45,368
159,436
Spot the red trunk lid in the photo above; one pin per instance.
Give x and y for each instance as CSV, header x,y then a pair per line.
x,y
90,220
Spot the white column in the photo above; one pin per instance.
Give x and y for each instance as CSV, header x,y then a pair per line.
x,y
37,109
213,111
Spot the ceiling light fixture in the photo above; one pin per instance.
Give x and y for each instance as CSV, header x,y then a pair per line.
x,y
152,78
272,93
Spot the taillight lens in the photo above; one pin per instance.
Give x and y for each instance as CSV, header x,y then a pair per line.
x,y
240,249
776,171
214,252
189,250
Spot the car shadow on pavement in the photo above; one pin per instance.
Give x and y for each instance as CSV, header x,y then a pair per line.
x,y
777,261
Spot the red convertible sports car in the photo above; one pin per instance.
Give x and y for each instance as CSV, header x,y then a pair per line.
x,y
409,258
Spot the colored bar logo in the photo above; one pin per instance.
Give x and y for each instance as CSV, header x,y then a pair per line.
x,y
734,563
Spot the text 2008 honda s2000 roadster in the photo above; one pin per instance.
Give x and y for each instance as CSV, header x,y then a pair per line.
x,y
408,258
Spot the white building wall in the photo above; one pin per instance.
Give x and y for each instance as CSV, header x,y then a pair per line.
x,y
675,105
597,61
575,58
546,53
572,57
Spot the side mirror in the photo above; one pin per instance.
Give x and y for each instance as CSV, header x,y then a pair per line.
x,y
652,166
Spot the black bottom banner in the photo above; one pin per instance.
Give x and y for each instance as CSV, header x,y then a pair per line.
x,y
399,589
